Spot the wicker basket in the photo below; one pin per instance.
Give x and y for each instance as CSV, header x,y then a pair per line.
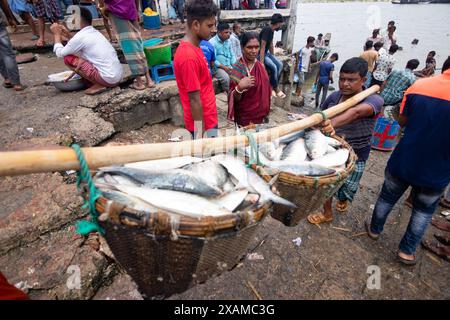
x,y
164,256
308,193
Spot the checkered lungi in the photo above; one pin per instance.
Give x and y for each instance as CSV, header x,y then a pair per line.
x,y
48,9
351,184
129,36
87,70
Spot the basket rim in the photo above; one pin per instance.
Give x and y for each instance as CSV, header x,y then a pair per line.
x,y
162,223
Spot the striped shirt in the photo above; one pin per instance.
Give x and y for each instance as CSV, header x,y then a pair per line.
x,y
397,83
358,133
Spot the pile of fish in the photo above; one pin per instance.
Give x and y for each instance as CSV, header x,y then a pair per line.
x,y
190,186
308,153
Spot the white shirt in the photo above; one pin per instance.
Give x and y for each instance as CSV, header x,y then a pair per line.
x,y
90,45
387,41
305,58
319,43
385,64
236,46
382,51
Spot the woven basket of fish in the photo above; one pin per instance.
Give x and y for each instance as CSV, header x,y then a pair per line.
x,y
176,222
310,168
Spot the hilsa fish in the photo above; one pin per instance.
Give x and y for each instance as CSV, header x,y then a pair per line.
x,y
316,143
177,180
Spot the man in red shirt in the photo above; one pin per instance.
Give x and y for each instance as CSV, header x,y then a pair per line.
x,y
192,71
9,292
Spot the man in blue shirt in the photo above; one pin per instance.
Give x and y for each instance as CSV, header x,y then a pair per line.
x,y
225,57
324,77
208,51
421,160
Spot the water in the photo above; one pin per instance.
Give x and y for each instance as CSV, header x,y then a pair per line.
x,y
348,24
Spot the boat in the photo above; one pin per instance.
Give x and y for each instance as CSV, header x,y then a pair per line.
x,y
409,2
316,59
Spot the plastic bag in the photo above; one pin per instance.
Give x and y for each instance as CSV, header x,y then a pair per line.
x,y
314,88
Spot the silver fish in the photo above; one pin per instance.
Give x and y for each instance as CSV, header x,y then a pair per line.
x,y
333,142
210,171
316,143
231,200
235,167
335,159
295,151
176,202
263,189
164,164
304,169
177,179
128,200
290,137
330,149
271,150
228,186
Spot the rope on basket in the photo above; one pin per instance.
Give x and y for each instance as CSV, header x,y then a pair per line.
x,y
83,175
254,151
324,117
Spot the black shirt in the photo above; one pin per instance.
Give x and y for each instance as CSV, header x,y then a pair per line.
x,y
266,35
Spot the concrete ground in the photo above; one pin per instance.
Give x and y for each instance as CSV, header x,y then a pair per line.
x,y
40,252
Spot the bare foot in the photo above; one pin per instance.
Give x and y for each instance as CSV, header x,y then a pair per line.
x,y
19,87
95,89
40,42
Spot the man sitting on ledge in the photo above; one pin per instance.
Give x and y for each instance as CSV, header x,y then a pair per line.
x,y
89,54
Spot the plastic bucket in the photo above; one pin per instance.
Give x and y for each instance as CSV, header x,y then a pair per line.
x,y
92,8
160,54
152,22
385,134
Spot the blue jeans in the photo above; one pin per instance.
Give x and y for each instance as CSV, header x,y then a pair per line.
x,y
324,88
369,79
274,67
424,201
8,64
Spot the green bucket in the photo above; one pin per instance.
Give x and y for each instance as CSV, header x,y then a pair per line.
x,y
160,54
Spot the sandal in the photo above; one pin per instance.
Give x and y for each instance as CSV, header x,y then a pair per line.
x,y
406,261
438,249
371,235
443,239
444,203
318,218
281,94
342,206
8,85
441,224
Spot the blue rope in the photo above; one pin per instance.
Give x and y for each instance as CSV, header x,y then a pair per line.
x,y
83,175
254,152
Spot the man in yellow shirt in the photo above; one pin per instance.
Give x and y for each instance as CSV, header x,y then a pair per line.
x,y
370,55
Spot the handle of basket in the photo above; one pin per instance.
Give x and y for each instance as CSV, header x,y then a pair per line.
x,y
25,162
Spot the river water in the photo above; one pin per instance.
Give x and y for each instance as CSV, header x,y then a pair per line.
x,y
351,24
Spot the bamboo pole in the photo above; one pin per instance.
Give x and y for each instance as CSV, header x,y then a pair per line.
x,y
36,161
